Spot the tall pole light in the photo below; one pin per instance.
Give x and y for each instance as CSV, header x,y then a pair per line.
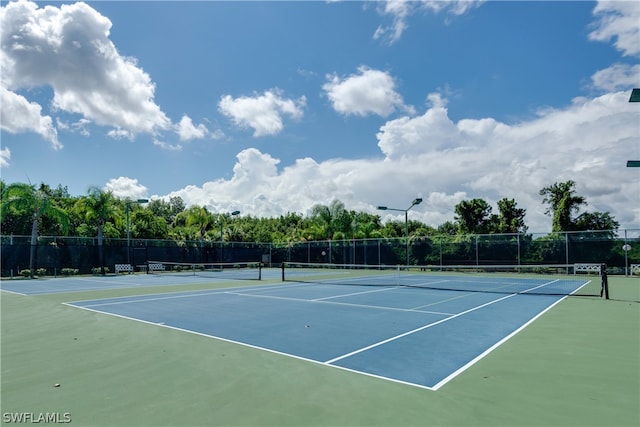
x,y
635,97
406,221
127,204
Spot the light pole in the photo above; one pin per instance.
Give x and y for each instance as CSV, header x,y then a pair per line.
x,y
234,213
127,203
406,220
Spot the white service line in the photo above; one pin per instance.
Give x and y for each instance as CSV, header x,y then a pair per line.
x,y
344,356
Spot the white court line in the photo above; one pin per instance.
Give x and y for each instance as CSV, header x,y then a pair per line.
x,y
177,294
321,301
462,313
493,347
330,362
465,295
354,293
202,334
13,292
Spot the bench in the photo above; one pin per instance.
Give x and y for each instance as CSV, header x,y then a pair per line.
x,y
587,268
128,268
634,269
155,266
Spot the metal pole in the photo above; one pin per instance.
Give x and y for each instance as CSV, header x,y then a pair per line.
x,y
415,202
128,234
406,233
221,242
626,255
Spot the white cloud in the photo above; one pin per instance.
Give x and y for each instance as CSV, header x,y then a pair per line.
x,y
443,161
19,115
167,146
617,77
400,10
81,126
5,156
618,20
368,92
124,187
120,133
187,131
263,113
68,48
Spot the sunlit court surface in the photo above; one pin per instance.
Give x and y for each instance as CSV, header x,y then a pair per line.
x,y
414,327
321,347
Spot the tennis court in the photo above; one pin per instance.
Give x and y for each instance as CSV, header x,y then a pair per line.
x,y
50,285
316,350
405,332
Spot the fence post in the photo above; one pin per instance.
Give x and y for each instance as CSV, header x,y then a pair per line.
x,y
566,248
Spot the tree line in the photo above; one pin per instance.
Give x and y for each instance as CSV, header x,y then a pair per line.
x,y
43,210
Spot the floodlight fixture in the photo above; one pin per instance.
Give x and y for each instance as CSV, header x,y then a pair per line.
x,y
635,97
415,202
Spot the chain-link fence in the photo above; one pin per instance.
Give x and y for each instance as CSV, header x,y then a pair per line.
x,y
59,255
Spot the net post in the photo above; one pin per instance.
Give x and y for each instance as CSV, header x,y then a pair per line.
x,y
282,267
605,281
259,270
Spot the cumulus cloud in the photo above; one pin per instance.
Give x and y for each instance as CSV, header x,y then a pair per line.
x,y
618,20
68,49
263,113
124,187
445,161
367,92
617,77
19,115
188,131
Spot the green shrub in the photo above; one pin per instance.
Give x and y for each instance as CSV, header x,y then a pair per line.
x,y
69,271
41,272
25,273
98,270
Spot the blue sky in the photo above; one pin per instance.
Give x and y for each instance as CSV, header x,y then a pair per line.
x,y
272,107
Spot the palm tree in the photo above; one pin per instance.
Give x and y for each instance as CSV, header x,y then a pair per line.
x,y
100,206
25,197
201,218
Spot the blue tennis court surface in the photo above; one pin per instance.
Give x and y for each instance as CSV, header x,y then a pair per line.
x,y
422,337
94,283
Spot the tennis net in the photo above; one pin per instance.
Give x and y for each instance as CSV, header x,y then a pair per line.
x,y
222,270
509,279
